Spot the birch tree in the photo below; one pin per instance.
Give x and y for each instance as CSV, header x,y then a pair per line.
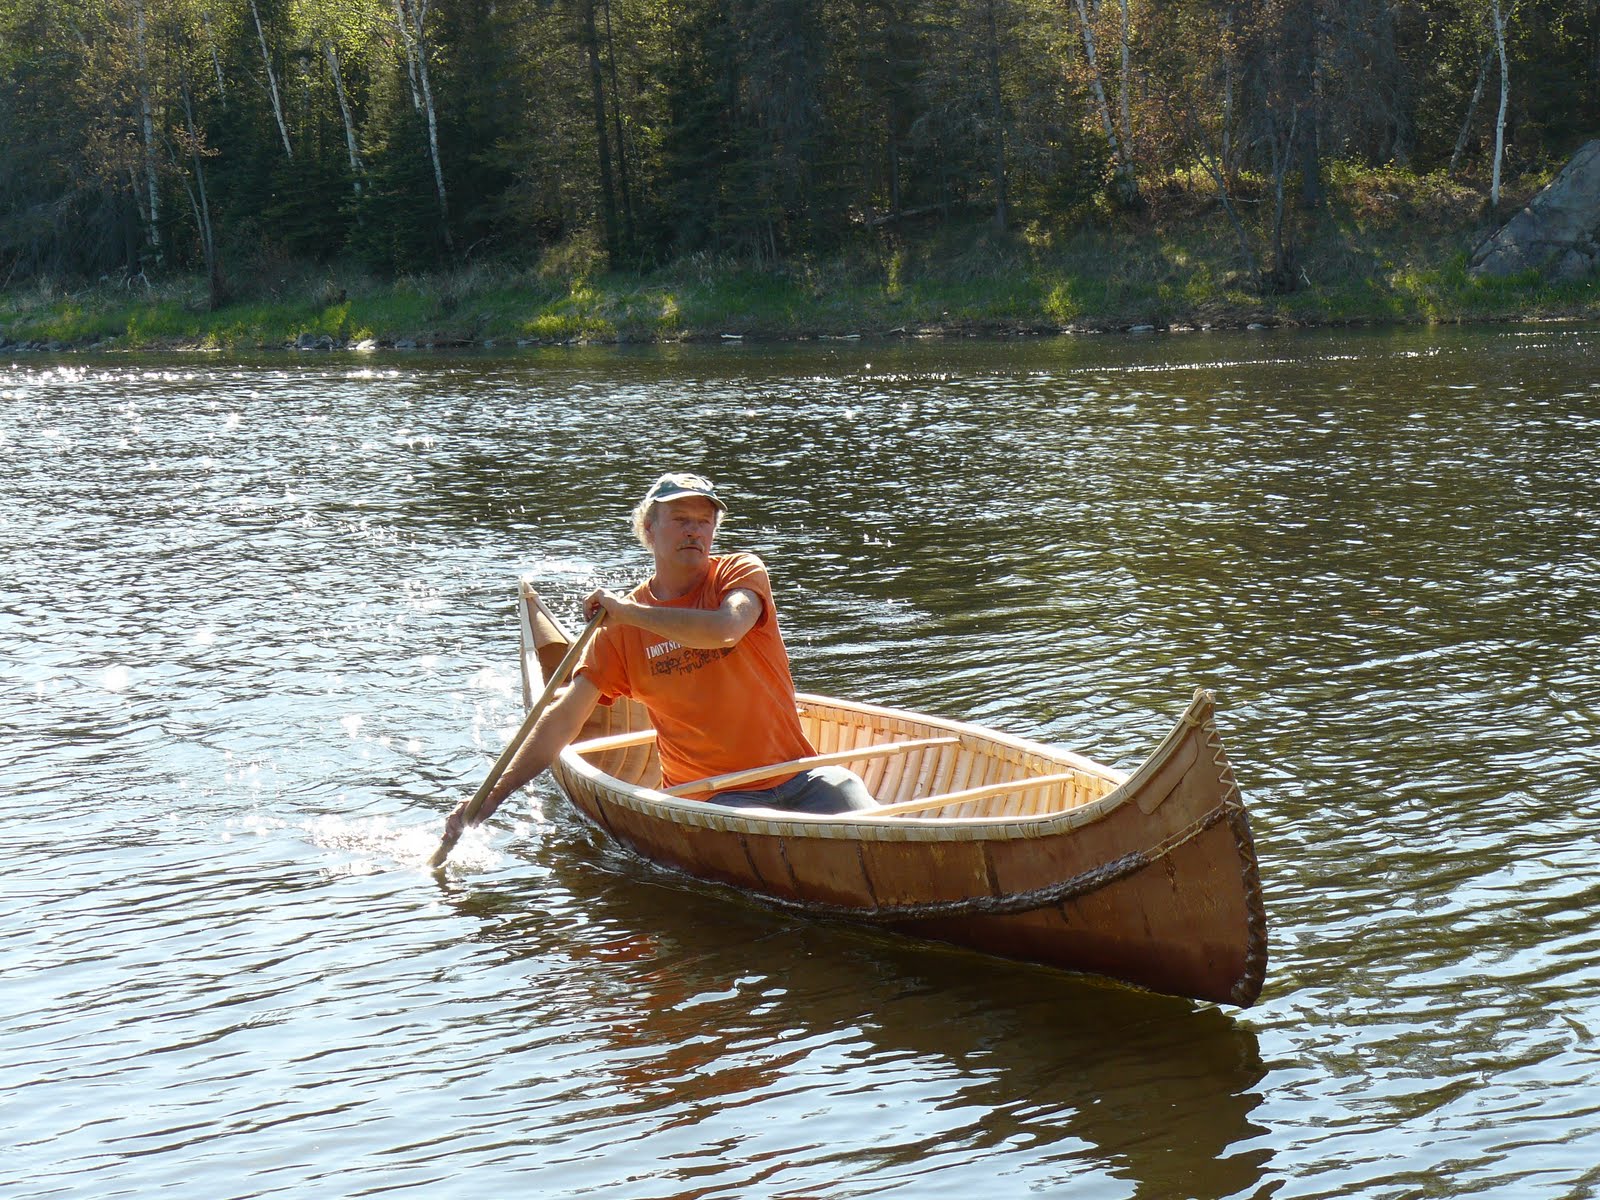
x,y
411,19
272,81
146,77
339,32
190,141
184,34
1472,110
145,86
1130,182
330,55
121,97
1499,17
208,22
1117,130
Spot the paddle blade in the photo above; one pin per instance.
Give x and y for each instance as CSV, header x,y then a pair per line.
x,y
446,844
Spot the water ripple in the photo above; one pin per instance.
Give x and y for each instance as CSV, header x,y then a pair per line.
x,y
259,639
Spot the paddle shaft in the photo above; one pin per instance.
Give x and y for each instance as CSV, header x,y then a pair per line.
x,y
469,815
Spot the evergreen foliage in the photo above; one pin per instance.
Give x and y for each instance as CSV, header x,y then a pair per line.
x,y
222,137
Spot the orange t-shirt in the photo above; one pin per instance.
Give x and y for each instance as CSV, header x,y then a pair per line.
x,y
715,711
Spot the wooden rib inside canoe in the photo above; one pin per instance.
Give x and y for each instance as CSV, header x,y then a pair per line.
x,y
1012,847
733,779
978,793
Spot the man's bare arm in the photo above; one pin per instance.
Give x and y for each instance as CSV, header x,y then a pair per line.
x,y
561,723
698,628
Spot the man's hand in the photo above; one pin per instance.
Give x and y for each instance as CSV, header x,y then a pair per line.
x,y
603,598
455,823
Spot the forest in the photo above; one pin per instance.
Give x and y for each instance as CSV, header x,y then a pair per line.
x,y
220,138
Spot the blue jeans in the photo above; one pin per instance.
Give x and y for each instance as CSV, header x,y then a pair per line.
x,y
819,790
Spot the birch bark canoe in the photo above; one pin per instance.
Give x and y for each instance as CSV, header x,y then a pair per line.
x,y
1149,877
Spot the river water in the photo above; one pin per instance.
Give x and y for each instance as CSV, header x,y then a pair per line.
x,y
257,637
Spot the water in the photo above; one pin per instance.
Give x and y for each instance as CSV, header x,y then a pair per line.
x,y
256,638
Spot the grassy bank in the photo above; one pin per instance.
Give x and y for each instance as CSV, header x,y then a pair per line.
x,y
1387,247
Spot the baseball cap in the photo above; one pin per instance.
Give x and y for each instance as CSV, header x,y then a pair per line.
x,y
678,485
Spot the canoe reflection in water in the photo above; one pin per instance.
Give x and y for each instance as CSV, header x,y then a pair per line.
x,y
791,1051
980,839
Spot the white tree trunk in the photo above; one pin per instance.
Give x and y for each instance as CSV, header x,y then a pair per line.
x,y
147,121
1472,109
417,50
1505,99
198,200
356,169
1227,121
216,59
272,82
404,24
1096,85
1124,85
433,132
1227,95
1125,181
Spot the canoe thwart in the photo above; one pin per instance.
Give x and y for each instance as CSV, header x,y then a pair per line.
x,y
616,741
717,783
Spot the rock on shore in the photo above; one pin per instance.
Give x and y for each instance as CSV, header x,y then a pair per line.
x,y
1558,233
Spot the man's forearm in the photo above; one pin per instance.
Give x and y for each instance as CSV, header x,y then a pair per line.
x,y
529,762
561,723
698,628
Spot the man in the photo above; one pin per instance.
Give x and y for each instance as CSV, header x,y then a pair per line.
x,y
698,644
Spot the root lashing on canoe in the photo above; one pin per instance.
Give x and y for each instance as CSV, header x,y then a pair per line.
x,y
995,905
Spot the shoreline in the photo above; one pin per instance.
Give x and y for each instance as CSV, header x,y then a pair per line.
x,y
976,330
1386,250
1546,309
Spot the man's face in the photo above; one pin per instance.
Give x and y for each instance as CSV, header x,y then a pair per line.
x,y
682,530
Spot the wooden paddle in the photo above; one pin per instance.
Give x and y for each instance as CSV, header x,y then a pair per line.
x,y
558,677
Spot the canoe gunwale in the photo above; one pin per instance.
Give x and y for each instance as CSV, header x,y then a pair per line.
x,y
705,814
864,825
